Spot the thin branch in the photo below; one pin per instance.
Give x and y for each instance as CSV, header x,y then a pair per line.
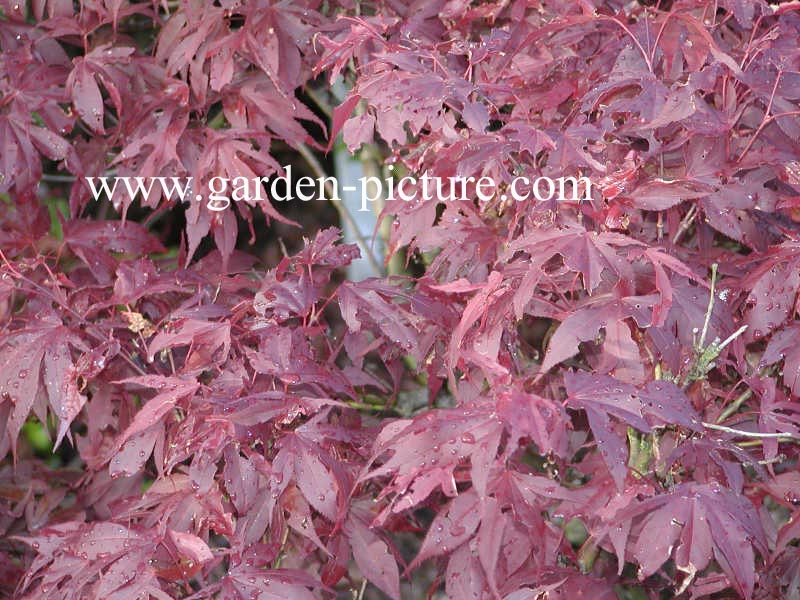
x,y
344,213
735,405
685,222
359,595
704,332
317,98
731,337
58,178
751,434
276,564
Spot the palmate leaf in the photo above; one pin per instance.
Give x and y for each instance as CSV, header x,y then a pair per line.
x,y
587,252
94,242
208,341
772,289
102,559
693,523
171,389
37,364
452,527
372,554
583,324
783,346
86,96
237,422
245,582
424,453
660,403
485,348
313,475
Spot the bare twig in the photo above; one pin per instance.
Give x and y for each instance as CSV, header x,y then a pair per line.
x,y
704,332
735,405
321,103
359,595
58,178
751,434
685,223
276,564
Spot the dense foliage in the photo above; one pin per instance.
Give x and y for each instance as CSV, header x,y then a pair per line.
x,y
550,399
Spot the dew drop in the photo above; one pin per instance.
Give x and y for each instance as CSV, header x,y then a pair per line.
x,y
457,529
792,498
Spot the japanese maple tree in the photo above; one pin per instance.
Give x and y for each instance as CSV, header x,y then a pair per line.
x,y
583,398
